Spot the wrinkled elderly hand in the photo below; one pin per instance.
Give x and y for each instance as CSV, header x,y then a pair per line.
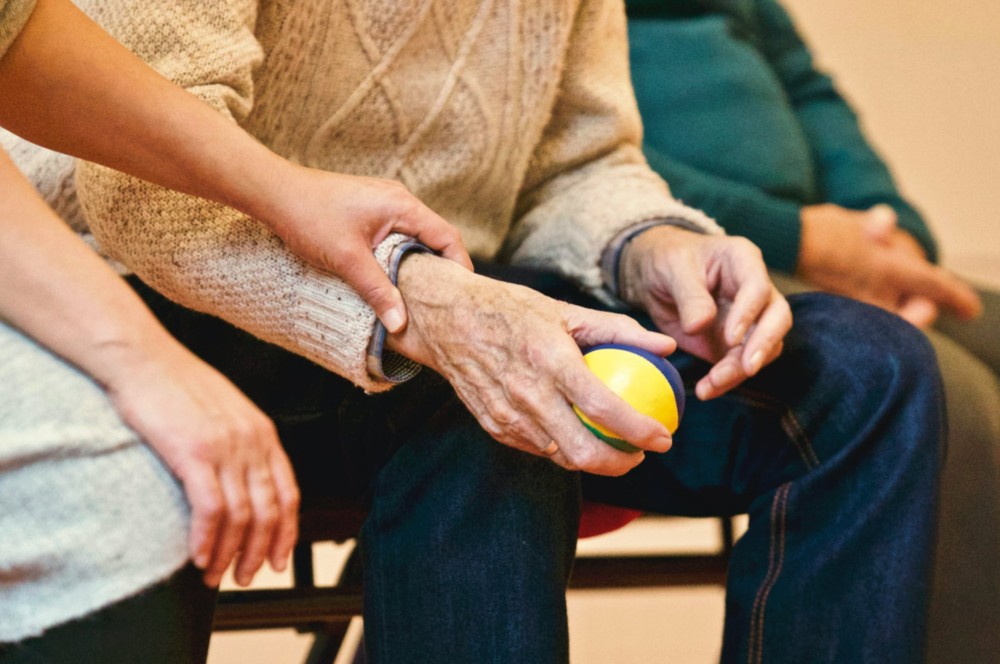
x,y
713,295
333,221
513,357
243,495
864,255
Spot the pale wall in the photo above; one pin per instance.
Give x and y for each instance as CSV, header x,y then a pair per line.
x,y
926,77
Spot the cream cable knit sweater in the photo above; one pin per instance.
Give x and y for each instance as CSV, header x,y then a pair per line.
x,y
513,120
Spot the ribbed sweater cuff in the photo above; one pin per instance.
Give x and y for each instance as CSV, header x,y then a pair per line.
x,y
611,259
774,226
13,16
336,328
383,363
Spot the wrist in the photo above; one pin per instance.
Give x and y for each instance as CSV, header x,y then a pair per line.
x,y
638,258
435,291
813,249
124,357
420,280
270,191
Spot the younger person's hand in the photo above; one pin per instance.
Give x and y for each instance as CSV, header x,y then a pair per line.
x,y
334,221
225,452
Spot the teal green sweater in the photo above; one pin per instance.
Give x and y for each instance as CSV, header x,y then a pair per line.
x,y
741,124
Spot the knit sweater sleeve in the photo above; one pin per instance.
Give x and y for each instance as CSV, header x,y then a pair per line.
x,y
589,180
849,170
13,16
203,255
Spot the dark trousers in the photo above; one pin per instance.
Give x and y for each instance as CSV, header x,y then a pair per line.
x,y
167,624
834,451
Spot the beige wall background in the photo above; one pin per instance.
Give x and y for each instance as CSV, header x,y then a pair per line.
x,y
925,76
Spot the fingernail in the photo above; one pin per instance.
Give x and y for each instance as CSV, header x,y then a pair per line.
x,y
738,333
756,362
201,560
393,320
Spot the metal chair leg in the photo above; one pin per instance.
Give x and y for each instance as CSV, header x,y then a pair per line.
x,y
328,643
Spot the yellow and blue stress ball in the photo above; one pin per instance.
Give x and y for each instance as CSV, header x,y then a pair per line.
x,y
644,380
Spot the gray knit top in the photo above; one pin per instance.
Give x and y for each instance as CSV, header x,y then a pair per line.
x,y
88,513
13,15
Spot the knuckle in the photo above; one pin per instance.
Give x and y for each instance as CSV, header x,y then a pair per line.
x,y
749,248
380,291
397,188
583,457
210,508
243,429
405,204
239,514
501,414
265,426
568,464
268,516
493,428
203,449
290,501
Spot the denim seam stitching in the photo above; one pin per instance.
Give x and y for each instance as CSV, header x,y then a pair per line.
x,y
755,651
789,424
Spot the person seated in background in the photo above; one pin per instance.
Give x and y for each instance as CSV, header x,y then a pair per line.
x,y
516,122
741,124
132,474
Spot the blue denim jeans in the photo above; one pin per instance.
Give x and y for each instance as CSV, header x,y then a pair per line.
x,y
834,450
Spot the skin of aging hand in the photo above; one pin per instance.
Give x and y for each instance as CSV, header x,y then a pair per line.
x,y
864,255
225,452
333,221
713,295
513,357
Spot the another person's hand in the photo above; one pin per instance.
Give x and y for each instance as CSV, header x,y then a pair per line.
x,y
333,221
713,295
513,357
225,452
864,255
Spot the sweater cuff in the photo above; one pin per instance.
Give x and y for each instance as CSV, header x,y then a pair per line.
x,y
384,364
775,226
611,258
14,14
335,327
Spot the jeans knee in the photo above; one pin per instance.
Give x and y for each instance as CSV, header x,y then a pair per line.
x,y
868,348
861,374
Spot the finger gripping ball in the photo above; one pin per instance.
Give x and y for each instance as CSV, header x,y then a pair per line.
x,y
646,381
